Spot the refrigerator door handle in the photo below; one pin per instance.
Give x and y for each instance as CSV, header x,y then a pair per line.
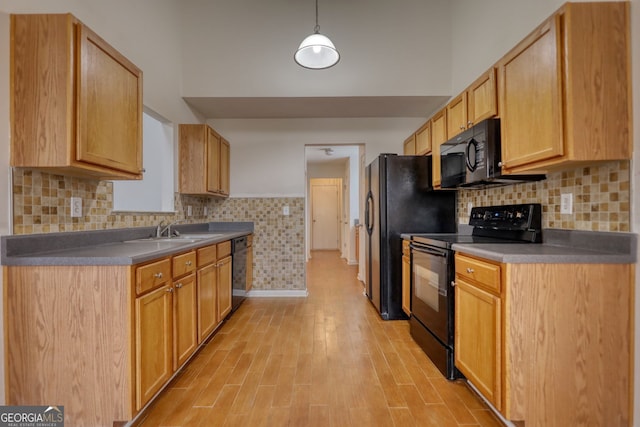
x,y
369,213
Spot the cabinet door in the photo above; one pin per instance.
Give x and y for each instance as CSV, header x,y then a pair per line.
x,y
406,285
478,339
530,99
207,301
482,98
423,139
250,268
409,146
154,343
457,115
185,324
225,158
438,137
213,161
109,98
224,288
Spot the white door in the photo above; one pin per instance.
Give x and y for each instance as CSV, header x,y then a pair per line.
x,y
325,214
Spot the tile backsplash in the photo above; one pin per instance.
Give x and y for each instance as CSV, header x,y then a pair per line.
x,y
601,198
41,205
601,202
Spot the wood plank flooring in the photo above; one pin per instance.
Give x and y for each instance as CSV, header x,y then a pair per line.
x,y
324,360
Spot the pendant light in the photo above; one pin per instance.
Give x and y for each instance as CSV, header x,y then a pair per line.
x,y
317,51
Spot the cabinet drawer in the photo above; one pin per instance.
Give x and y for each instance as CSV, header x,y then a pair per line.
x,y
224,249
483,273
206,255
151,276
183,264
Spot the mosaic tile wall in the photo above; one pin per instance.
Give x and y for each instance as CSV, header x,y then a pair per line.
x,y
40,205
601,198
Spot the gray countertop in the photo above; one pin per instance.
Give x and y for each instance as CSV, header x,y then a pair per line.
x,y
560,247
111,247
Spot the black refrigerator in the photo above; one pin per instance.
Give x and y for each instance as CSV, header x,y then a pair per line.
x,y
399,199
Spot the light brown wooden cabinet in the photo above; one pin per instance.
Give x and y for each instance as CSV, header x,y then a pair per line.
x,y
438,137
76,102
523,329
250,261
203,161
409,146
154,342
423,139
565,90
126,329
478,320
406,278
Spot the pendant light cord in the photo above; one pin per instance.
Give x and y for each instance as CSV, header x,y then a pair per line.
x,y
317,28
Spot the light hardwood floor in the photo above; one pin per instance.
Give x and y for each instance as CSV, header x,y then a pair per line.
x,y
325,360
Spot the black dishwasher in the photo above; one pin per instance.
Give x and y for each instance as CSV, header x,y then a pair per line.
x,y
239,274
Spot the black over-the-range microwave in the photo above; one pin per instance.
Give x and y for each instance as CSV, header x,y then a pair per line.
x,y
472,159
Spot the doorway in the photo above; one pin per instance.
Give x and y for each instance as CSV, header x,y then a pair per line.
x,y
325,213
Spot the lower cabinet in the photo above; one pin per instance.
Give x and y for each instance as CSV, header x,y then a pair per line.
x,y
154,342
114,335
522,330
406,278
478,339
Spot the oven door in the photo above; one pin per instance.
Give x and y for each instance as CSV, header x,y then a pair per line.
x,y
432,293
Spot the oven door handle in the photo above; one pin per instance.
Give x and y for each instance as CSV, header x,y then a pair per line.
x,y
426,250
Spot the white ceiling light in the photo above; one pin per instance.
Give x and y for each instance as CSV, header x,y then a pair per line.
x,y
317,51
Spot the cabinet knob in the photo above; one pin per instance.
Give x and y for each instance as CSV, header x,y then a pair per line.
x,y
158,275
170,290
470,270
462,127
500,164
453,283
188,263
179,285
469,123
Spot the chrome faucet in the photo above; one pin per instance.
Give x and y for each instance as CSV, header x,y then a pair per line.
x,y
160,231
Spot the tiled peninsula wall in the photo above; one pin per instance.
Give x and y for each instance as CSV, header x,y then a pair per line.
x,y
41,205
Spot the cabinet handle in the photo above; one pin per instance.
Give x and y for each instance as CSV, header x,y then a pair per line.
x,y
179,285
469,123
453,283
188,263
462,127
158,275
470,270
170,290
500,164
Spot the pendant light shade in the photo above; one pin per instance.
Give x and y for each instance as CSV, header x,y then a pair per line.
x,y
317,51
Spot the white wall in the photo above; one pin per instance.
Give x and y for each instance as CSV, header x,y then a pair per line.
x,y
408,54
267,155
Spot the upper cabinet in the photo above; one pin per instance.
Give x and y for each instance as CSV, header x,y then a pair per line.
x,y
409,147
203,161
438,137
478,102
76,102
423,139
565,90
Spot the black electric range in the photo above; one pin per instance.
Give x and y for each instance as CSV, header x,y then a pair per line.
x,y
433,271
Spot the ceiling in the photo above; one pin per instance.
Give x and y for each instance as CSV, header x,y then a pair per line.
x,y
317,154
316,107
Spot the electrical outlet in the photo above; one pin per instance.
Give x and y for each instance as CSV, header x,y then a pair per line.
x,y
469,207
566,203
189,210
206,211
285,210
76,207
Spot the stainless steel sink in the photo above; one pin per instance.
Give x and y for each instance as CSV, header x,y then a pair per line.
x,y
164,240
197,236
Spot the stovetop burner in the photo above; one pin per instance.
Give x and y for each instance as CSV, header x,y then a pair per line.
x,y
494,224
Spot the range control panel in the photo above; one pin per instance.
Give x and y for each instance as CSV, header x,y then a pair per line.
x,y
508,217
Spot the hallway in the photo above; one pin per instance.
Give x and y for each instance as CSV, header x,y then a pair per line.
x,y
324,360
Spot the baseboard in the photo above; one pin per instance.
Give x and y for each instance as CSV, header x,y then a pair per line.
x,y
270,293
